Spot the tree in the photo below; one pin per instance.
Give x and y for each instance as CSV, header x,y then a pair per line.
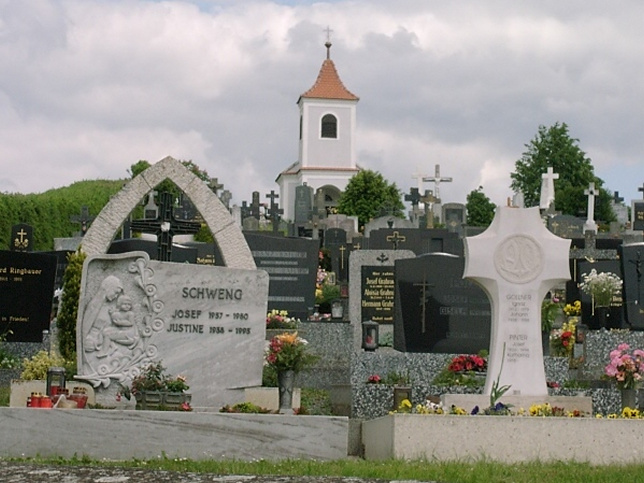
x,y
480,209
366,194
554,147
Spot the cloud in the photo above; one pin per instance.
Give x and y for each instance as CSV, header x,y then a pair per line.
x,y
89,88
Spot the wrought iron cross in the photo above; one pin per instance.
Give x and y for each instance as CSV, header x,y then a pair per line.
x,y
165,227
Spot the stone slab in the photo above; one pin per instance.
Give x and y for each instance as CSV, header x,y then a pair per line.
x,y
269,397
206,323
123,435
506,439
568,403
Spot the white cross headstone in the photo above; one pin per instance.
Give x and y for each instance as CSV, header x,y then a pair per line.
x,y
548,188
590,224
516,261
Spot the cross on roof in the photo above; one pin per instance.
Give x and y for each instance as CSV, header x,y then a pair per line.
x,y
165,226
437,179
327,44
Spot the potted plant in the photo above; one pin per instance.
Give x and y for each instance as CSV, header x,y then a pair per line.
x,y
154,389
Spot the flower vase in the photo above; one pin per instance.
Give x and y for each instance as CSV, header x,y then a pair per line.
x,y
601,318
285,382
629,398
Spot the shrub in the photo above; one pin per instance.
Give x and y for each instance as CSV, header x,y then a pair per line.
x,y
36,367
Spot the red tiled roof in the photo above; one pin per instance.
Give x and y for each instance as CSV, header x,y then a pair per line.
x,y
328,85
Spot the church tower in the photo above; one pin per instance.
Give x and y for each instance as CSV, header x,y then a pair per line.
x,y
326,158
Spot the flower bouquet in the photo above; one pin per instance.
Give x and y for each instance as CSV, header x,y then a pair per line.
x,y
562,341
573,310
601,287
469,362
288,352
279,319
625,367
154,389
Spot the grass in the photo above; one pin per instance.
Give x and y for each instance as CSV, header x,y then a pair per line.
x,y
5,392
451,472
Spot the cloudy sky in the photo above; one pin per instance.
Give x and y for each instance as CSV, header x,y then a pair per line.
x,y
89,87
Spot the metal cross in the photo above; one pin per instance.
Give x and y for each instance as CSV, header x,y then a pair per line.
x,y
165,226
436,179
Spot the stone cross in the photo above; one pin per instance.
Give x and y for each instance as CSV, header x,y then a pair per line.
x,y
165,226
214,185
437,180
225,198
151,210
427,200
84,219
419,177
548,188
516,261
591,192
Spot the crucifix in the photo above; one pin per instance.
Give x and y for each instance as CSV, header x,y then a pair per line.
x,y
591,192
165,226
396,238
84,219
424,298
437,180
428,199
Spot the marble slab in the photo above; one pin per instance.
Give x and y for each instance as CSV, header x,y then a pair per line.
x,y
206,323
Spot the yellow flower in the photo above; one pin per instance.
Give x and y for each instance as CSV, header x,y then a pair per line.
x,y
287,338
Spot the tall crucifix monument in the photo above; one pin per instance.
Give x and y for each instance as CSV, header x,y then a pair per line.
x,y
437,180
516,261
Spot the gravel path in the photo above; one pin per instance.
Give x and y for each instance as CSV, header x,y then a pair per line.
x,y
33,473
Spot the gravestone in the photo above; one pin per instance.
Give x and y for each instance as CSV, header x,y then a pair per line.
x,y
26,294
291,264
638,215
335,240
516,261
22,238
206,323
371,290
303,203
566,226
436,309
632,265
454,217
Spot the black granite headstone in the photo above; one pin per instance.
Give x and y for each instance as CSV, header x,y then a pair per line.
x,y
436,309
378,294
22,238
335,240
303,203
26,295
291,264
566,226
638,215
632,264
416,240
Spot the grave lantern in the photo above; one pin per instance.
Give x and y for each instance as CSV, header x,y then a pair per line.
x,y
55,380
370,335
